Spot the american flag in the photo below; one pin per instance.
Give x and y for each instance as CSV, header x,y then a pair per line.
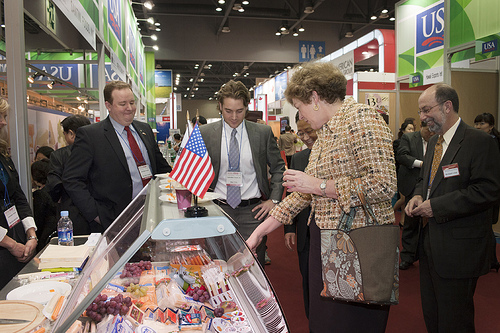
x,y
193,168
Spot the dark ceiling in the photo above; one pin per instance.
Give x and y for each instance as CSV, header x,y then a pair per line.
x,y
201,78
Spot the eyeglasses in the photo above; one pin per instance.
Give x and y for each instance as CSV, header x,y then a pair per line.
x,y
429,109
308,132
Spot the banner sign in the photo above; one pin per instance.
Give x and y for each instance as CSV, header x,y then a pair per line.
x,y
487,47
309,50
280,85
64,72
345,63
76,14
131,46
416,80
115,18
117,66
420,36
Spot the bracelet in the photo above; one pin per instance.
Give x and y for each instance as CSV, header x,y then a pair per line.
x,y
33,237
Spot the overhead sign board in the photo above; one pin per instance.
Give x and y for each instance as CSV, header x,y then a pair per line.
x,y
310,50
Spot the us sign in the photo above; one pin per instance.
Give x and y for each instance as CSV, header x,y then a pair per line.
x,y
430,29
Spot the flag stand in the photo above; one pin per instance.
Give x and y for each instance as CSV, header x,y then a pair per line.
x,y
196,211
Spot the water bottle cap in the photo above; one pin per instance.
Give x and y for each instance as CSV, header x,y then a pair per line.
x,y
64,213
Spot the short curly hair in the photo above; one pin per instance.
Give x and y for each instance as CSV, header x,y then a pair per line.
x,y
233,89
322,77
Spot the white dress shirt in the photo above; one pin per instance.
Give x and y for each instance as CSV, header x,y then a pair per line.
x,y
250,188
132,166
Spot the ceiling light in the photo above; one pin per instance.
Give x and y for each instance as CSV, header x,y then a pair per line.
x,y
241,10
383,15
309,10
222,2
177,75
392,19
149,4
50,85
245,2
237,6
154,37
78,98
374,17
225,29
295,33
157,24
349,34
301,29
3,25
185,96
188,88
384,11
33,77
278,33
365,52
218,9
158,29
283,28
155,47
175,88
191,80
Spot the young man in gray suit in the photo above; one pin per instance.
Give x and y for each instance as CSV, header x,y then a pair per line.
x,y
455,198
241,151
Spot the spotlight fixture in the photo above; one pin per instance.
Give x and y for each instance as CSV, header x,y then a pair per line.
x,y
218,9
245,2
155,47
295,33
50,85
373,17
158,29
309,10
384,14
157,24
225,28
222,2
150,20
33,77
301,29
392,18
148,4
153,36
278,33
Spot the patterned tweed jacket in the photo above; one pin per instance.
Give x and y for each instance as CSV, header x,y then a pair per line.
x,y
354,143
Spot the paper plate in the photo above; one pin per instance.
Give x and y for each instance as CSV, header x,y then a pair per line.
x,y
170,197
162,175
39,292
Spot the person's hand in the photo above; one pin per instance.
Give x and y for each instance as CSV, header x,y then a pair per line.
x,y
423,210
253,241
290,240
29,250
412,204
263,209
17,250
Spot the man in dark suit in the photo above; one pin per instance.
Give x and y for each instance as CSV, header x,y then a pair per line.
x,y
298,231
455,198
410,156
111,161
245,169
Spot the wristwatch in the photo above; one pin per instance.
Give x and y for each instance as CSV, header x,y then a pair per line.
x,y
33,237
322,187
275,201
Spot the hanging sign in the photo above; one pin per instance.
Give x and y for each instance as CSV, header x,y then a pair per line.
x,y
487,47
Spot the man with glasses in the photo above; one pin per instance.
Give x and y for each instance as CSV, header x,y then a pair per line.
x,y
460,183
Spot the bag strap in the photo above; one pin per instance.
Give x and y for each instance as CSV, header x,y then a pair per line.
x,y
370,216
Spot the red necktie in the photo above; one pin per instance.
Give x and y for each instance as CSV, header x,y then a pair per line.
x,y
136,152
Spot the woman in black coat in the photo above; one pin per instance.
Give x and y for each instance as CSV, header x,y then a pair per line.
x,y
18,239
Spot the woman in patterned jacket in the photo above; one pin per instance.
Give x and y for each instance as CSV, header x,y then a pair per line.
x,y
353,142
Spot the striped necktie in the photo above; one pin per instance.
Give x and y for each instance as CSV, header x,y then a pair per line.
x,y
233,196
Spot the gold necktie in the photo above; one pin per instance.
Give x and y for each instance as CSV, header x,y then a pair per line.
x,y
436,160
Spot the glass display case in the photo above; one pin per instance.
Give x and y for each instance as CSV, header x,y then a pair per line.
x,y
167,273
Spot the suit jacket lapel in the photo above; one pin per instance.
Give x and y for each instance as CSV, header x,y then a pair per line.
x,y
214,140
420,146
149,149
111,135
255,142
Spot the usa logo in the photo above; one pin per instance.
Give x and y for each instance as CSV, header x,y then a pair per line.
x,y
430,28
490,46
415,79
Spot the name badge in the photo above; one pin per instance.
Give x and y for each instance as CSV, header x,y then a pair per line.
x,y
145,171
451,170
234,178
11,216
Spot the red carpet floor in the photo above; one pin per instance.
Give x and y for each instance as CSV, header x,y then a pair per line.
x,y
406,317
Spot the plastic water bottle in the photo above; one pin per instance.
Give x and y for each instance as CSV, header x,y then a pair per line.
x,y
65,230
